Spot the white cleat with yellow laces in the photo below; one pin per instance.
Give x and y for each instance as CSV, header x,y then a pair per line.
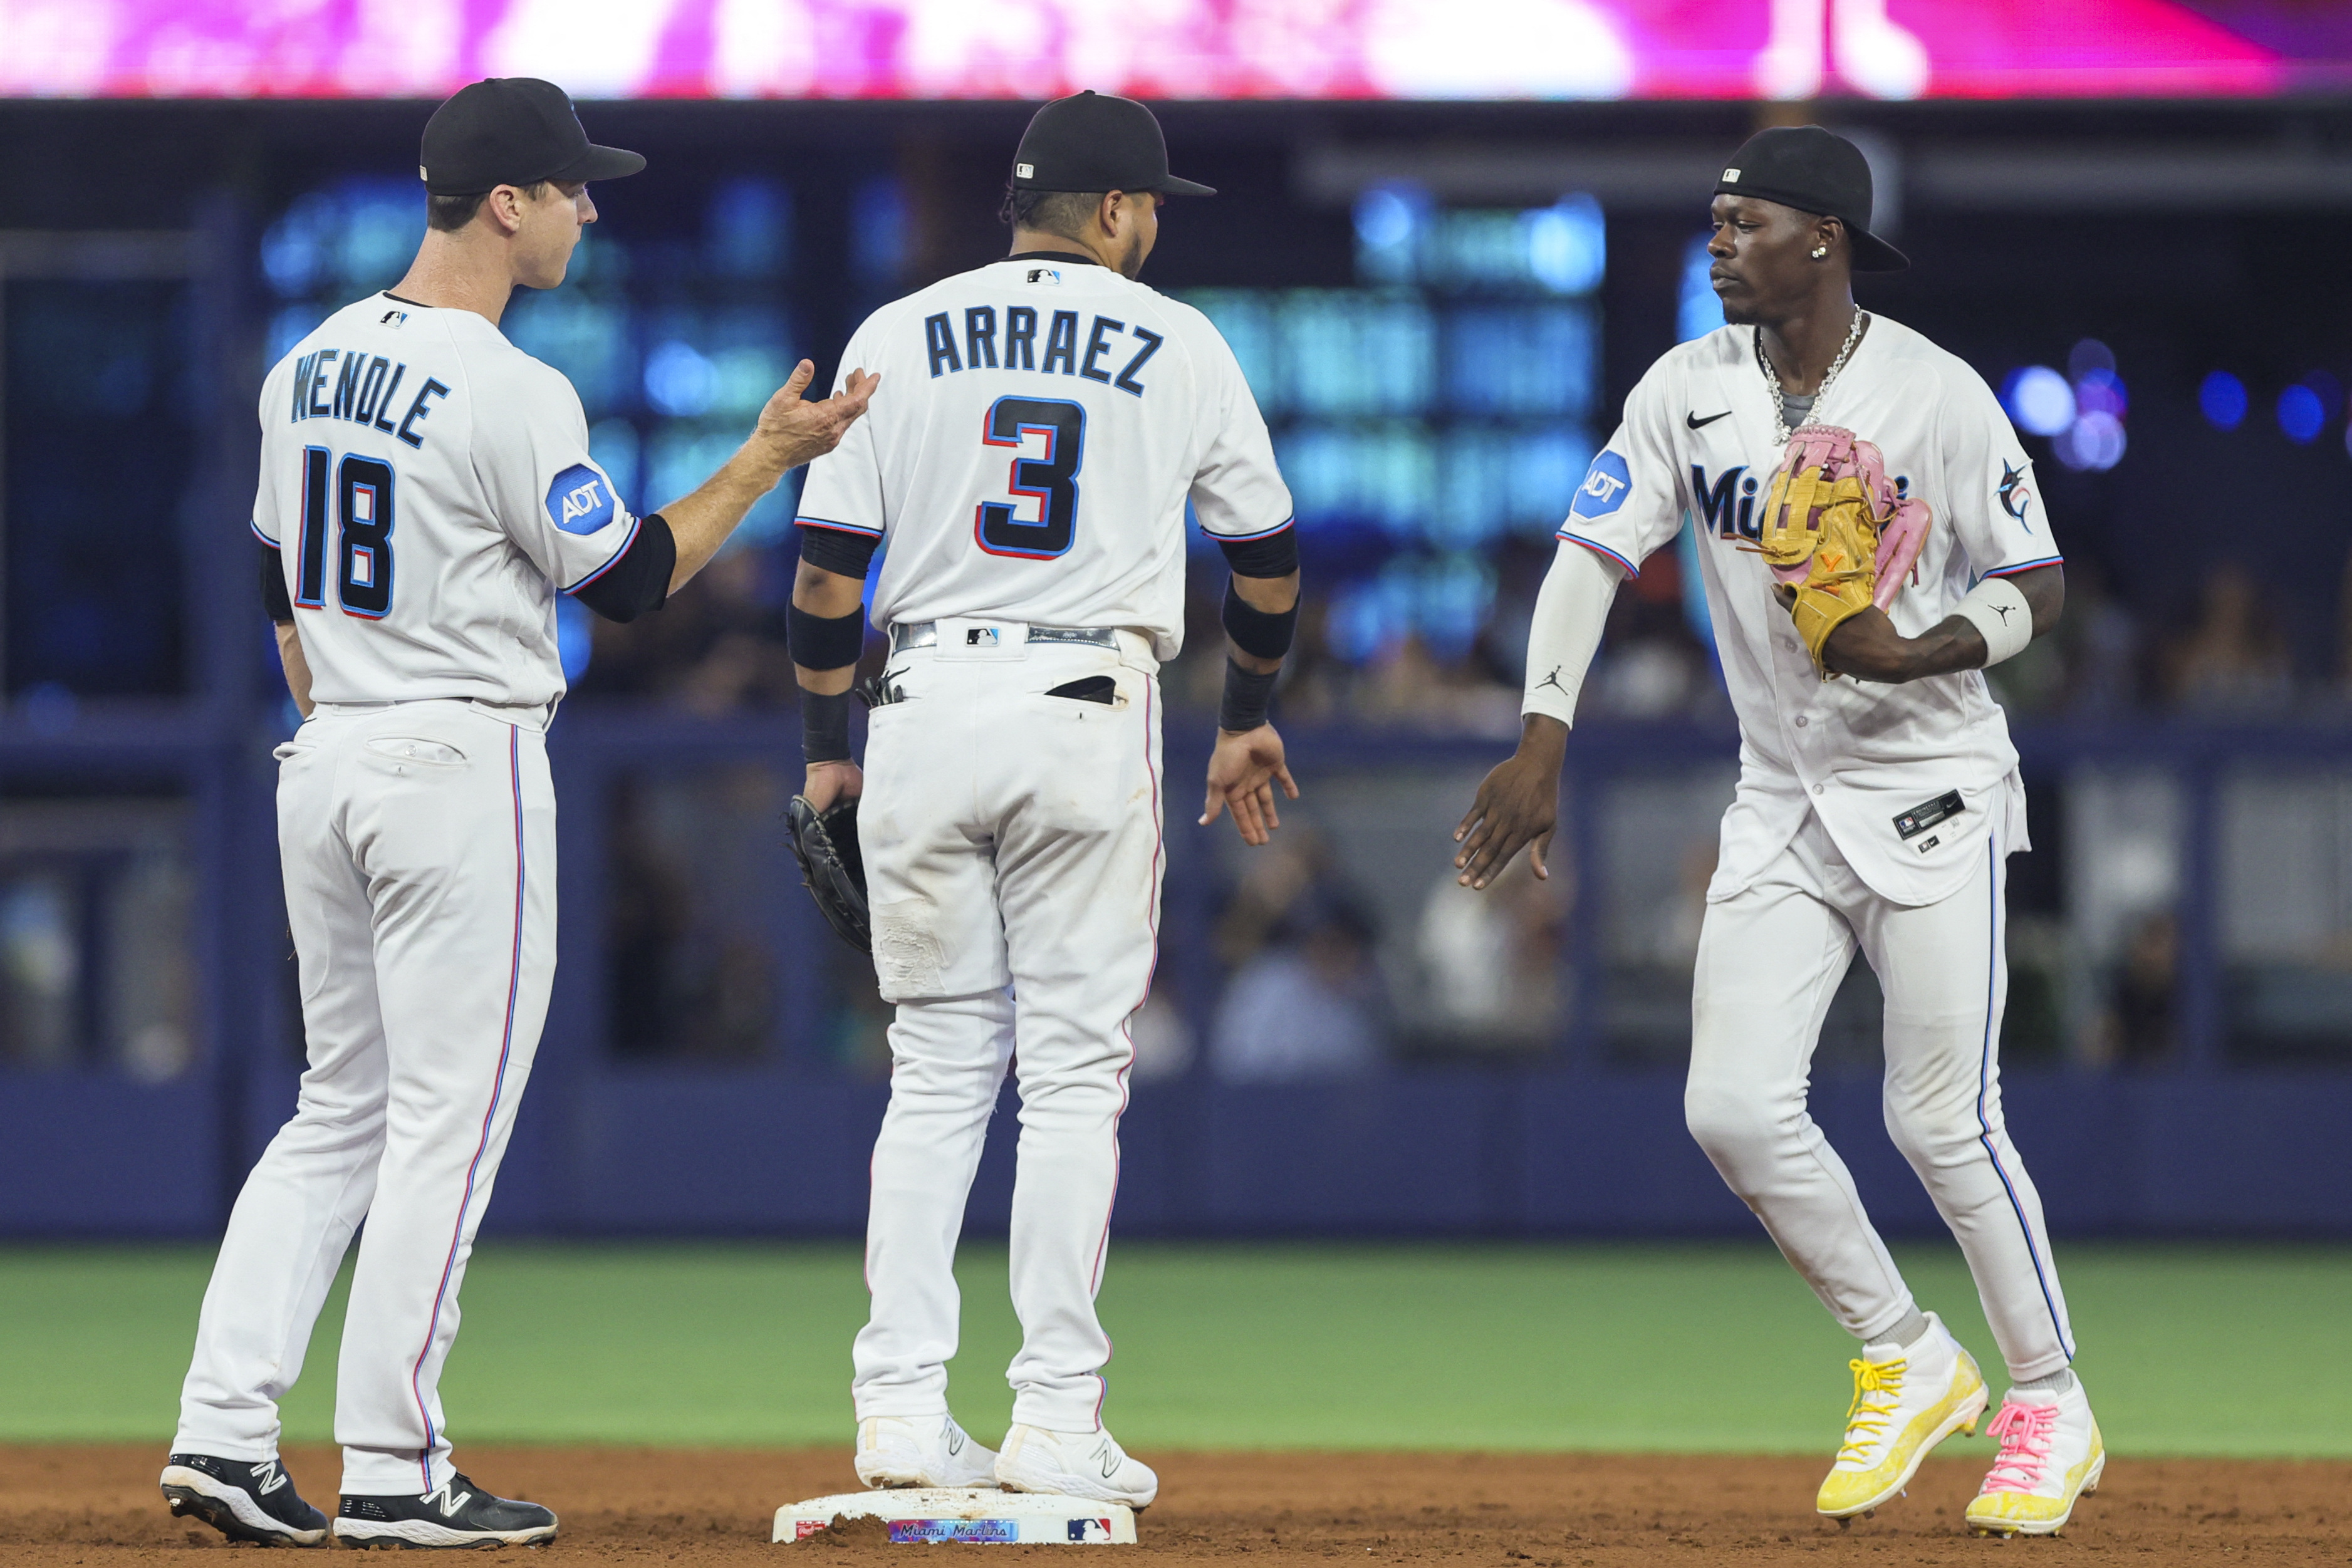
x,y
2051,1454
1906,1399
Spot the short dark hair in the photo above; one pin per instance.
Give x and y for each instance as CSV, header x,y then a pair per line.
x,y
1063,213
450,214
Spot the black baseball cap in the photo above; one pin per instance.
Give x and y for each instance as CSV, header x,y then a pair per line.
x,y
513,130
1813,171
1091,142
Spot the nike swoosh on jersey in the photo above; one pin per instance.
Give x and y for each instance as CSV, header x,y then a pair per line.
x,y
1694,421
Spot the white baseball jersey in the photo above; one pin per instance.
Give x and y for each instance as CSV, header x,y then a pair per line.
x,y
428,487
1040,425
1879,763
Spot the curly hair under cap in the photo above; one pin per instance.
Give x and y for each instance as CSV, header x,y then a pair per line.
x,y
1063,213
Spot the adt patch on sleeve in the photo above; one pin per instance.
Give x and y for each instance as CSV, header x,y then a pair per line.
x,y
580,501
1604,487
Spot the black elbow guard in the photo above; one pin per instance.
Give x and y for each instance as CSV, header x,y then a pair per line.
x,y
1260,634
837,550
274,597
1276,555
824,641
637,579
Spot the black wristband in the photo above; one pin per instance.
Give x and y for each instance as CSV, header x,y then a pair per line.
x,y
824,727
825,642
1247,696
1260,634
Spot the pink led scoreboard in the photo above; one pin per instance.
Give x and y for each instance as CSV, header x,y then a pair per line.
x,y
1179,48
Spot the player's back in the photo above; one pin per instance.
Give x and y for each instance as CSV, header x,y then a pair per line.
x,y
1041,424
407,452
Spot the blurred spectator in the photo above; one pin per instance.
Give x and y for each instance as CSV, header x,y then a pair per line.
x,y
1306,999
2136,1026
691,866
717,647
1163,1041
1491,962
2235,660
2100,640
1408,684
1675,921
1310,1005
1651,663
647,909
1272,880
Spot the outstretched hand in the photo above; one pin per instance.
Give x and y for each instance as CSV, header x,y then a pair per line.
x,y
1243,772
1517,807
810,430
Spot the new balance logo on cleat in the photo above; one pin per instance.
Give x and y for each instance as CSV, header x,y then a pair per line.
x,y
456,1513
243,1501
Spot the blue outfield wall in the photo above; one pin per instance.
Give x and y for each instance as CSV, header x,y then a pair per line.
x,y
1485,1154
2200,1146
1418,1154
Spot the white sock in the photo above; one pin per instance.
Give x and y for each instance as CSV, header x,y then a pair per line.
x,y
2057,1382
1904,1335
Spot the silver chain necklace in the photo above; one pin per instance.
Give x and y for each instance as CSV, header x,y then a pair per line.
x,y
1772,377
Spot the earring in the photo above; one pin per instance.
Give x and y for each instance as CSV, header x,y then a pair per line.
x,y
1820,251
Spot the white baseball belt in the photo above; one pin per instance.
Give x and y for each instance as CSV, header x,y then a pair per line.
x,y
911,635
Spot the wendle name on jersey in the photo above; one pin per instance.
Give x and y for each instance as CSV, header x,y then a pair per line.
x,y
365,388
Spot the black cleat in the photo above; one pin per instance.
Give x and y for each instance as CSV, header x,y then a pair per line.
x,y
243,1501
459,1514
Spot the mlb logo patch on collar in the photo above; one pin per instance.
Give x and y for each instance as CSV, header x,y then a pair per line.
x,y
1049,276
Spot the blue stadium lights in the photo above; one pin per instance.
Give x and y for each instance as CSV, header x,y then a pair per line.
x,y
2081,411
2101,392
679,381
2221,399
1699,311
1567,244
2301,414
1389,223
2039,399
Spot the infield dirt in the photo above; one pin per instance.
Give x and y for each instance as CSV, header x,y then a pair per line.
x,y
97,1506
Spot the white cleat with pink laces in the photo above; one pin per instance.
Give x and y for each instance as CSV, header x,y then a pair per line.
x,y
2050,1454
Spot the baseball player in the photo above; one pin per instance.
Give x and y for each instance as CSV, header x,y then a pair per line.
x,y
425,493
1027,477
1897,542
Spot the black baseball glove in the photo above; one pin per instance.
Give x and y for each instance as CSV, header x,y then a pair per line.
x,y
826,843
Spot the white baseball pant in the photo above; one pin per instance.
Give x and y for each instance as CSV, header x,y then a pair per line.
x,y
1013,858
1769,960
418,846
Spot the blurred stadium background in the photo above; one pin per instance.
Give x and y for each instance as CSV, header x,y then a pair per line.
x,y
1451,238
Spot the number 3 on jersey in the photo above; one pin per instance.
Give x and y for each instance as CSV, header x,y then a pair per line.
x,y
360,496
1051,480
